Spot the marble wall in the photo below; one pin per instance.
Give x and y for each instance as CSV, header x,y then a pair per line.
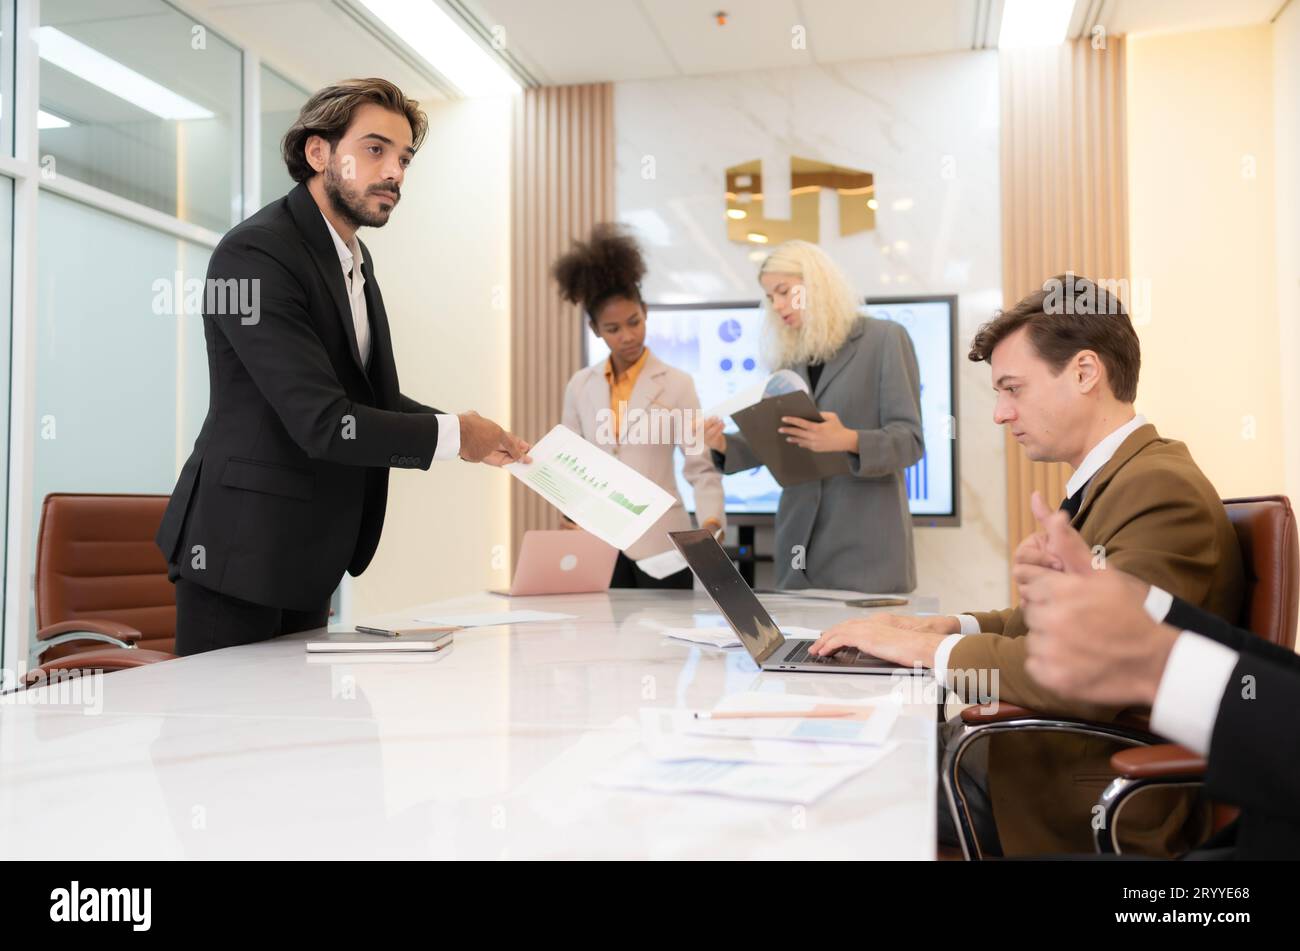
x,y
927,128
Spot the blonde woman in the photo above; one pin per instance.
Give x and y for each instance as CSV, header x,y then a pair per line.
x,y
634,405
850,531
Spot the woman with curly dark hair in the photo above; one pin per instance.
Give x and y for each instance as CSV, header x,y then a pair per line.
x,y
635,406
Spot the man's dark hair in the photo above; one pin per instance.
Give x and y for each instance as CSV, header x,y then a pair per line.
x,y
329,111
1070,314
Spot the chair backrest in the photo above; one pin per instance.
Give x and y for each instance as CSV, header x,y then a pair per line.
x,y
96,558
1266,528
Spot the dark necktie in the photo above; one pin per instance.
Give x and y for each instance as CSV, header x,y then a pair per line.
x,y
1072,503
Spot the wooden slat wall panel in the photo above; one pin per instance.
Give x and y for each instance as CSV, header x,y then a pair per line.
x,y
1064,200
563,181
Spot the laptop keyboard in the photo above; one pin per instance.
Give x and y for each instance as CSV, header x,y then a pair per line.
x,y
843,656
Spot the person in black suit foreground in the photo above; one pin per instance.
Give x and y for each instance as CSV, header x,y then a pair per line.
x,y
1104,637
287,483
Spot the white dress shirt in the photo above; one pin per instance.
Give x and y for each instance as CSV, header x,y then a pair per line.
x,y
1191,688
1101,454
1097,457
350,258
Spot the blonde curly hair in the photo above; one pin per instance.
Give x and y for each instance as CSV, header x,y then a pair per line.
x,y
829,307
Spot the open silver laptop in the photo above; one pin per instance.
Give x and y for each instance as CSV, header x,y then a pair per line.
x,y
754,626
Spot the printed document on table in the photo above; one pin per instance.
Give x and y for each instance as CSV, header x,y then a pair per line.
x,y
664,736
726,637
867,722
602,495
793,783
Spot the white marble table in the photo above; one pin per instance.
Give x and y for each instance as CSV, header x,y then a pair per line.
x,y
485,750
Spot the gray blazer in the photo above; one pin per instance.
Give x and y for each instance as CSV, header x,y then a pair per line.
x,y
854,531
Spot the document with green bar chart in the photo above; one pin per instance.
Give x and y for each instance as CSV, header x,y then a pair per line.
x,y
604,496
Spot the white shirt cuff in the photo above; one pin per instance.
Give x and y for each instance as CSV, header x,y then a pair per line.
x,y
968,624
1158,603
941,655
448,437
1191,690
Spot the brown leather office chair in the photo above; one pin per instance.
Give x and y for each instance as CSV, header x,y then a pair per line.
x,y
1266,529
103,600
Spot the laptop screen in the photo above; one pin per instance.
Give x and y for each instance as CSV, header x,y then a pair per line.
x,y
747,617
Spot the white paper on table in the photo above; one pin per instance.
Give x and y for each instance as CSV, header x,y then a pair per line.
x,y
710,636
800,784
606,497
488,618
779,383
663,564
726,637
664,737
874,720
796,632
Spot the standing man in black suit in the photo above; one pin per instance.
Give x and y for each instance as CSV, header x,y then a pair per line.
x,y
1105,637
288,481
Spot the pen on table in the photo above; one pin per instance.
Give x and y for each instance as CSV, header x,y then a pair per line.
x,y
377,630
773,715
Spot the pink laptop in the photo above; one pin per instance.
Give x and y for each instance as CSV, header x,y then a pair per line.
x,y
562,562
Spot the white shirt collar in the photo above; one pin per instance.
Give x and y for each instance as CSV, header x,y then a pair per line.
x,y
347,253
1100,454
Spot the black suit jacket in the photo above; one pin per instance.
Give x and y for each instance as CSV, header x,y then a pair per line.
x,y
288,480
1254,759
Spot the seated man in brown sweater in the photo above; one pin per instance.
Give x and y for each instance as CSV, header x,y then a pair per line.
x,y
1065,368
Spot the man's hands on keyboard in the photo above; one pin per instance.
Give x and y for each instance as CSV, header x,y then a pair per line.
x,y
879,638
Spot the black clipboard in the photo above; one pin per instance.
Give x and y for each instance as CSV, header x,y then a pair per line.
x,y
788,463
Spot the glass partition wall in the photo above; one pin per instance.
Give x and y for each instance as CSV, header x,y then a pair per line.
x,y
131,138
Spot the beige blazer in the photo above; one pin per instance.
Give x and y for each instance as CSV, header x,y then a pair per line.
x,y
652,433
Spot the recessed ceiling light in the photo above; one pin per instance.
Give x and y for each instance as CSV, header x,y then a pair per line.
x,y
757,237
84,62
1034,23
737,213
445,46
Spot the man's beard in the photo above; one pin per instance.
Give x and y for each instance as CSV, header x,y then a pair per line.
x,y
350,206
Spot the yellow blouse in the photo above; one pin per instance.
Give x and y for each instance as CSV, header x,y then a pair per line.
x,y
620,388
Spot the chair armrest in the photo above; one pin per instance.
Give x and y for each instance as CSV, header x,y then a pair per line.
x,y
105,659
1136,721
995,713
1166,761
90,625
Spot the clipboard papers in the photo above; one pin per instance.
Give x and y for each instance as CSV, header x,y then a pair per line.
x,y
788,463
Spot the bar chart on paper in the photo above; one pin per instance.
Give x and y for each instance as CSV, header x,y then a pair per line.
x,y
602,495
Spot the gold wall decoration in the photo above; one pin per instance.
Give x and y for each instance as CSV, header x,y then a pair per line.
x,y
747,224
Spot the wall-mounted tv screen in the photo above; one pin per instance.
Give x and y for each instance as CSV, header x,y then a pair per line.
x,y
718,345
